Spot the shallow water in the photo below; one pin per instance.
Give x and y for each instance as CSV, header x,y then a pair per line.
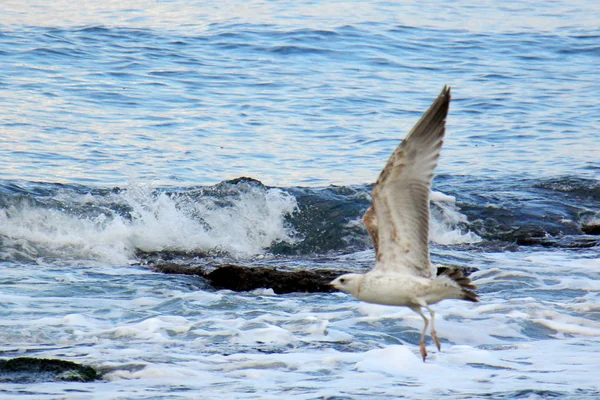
x,y
123,123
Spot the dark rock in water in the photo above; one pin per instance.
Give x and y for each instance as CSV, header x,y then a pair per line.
x,y
168,255
240,278
179,269
244,278
246,180
32,370
591,229
536,236
524,235
563,242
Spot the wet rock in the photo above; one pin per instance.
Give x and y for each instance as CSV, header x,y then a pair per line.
x,y
151,257
591,229
32,370
241,278
563,242
178,269
526,235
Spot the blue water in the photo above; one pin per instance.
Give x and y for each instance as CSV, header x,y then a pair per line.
x,y
121,123
294,100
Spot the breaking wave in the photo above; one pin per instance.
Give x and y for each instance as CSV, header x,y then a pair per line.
x,y
243,218
240,218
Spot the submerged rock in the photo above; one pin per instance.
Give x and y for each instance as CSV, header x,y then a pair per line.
x,y
563,242
31,370
244,278
178,269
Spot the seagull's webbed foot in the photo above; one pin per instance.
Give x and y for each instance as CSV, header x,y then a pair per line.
x,y
423,350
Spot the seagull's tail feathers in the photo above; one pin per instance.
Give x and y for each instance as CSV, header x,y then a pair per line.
x,y
467,288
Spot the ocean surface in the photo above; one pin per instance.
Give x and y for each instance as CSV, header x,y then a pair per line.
x,y
125,127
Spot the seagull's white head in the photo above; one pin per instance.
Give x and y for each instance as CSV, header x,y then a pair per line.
x,y
349,283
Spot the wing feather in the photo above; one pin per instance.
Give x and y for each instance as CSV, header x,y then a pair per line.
x,y
370,221
398,220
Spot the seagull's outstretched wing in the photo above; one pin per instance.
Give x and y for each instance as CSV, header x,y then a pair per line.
x,y
398,220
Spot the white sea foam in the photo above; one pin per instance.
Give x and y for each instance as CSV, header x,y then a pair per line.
x,y
448,225
395,360
251,222
248,224
535,330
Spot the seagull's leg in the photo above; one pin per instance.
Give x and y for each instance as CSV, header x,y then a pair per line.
x,y
422,341
433,332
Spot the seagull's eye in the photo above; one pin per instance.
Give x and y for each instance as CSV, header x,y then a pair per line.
x,y
342,281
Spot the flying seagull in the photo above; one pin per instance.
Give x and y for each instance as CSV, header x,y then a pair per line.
x,y
398,222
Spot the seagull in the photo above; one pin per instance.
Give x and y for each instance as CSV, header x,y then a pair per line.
x,y
398,222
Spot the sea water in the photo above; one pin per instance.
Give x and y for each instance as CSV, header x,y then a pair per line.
x,y
125,125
